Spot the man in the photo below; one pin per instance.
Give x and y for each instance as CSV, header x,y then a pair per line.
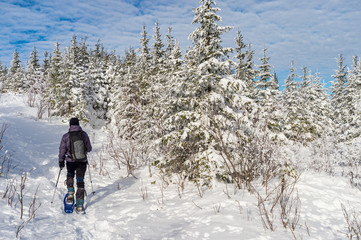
x,y
74,146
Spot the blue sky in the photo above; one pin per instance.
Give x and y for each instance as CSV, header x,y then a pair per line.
x,y
310,32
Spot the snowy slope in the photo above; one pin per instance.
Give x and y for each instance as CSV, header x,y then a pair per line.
x,y
117,209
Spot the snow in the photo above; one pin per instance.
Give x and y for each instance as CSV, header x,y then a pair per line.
x,y
134,208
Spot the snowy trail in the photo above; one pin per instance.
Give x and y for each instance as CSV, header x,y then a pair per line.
x,y
117,210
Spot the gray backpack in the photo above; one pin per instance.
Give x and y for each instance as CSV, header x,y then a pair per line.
x,y
77,146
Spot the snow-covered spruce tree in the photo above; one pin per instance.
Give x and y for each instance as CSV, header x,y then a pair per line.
x,y
315,107
263,79
43,85
157,52
158,80
98,86
114,75
274,106
322,108
37,83
245,70
125,97
307,129
75,86
338,97
57,92
240,56
352,106
15,77
293,119
173,61
33,77
268,95
173,65
82,89
140,100
204,95
167,63
250,73
133,98
46,63
3,73
246,73
307,108
172,55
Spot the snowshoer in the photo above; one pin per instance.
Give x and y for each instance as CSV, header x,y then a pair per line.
x,y
74,146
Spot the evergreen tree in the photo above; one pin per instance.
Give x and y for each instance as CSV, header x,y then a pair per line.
x,y
306,128
126,98
245,67
144,55
264,76
114,77
274,86
352,104
33,77
314,107
291,101
43,101
245,71
274,106
322,109
142,104
56,73
131,113
46,62
172,56
240,57
173,65
3,73
201,94
264,84
156,90
15,76
338,94
98,86
76,86
158,51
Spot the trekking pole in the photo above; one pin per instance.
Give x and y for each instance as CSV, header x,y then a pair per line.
x,y
91,182
56,186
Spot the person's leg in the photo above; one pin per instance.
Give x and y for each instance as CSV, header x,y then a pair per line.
x,y
70,180
80,191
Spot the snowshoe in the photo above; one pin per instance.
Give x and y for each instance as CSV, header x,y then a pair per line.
x,y
68,206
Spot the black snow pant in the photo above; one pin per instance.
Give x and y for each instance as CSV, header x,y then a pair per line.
x,y
77,169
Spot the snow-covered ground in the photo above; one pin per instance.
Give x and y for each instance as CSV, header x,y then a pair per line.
x,y
129,208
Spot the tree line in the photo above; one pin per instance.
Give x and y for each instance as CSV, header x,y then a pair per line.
x,y
197,108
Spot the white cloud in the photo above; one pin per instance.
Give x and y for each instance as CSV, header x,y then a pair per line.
x,y
310,32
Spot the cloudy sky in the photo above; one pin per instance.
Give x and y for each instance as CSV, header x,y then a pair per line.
x,y
310,32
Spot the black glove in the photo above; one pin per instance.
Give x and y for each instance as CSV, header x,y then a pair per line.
x,y
61,164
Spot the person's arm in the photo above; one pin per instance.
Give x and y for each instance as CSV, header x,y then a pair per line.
x,y
62,149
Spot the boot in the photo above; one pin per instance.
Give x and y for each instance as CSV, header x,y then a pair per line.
x,y
70,197
80,205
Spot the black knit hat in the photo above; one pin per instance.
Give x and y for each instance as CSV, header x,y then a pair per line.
x,y
74,121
